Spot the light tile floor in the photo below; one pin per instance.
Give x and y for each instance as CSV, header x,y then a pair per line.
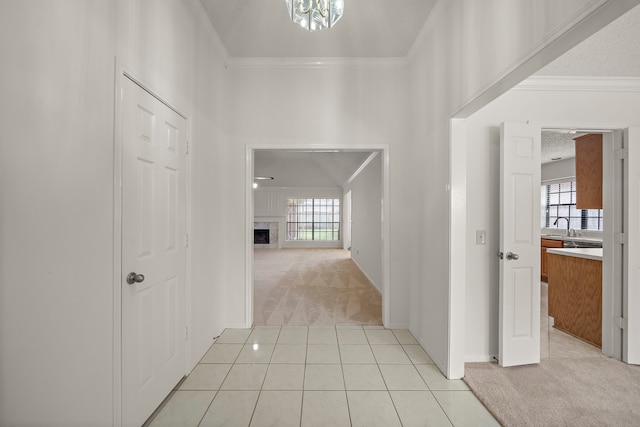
x,y
320,376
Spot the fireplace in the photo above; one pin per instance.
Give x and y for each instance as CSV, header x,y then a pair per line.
x,y
260,236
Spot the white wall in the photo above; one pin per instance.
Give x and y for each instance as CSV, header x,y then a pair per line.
x,y
565,168
56,193
56,170
469,53
340,106
366,225
573,108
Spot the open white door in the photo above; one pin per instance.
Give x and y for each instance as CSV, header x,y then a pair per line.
x,y
631,280
519,305
153,252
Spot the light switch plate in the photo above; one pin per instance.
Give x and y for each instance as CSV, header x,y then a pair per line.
x,y
481,237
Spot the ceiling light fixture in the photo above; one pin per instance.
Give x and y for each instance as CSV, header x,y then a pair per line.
x,y
315,15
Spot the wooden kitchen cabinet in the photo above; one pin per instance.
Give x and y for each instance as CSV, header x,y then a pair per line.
x,y
575,296
544,257
589,171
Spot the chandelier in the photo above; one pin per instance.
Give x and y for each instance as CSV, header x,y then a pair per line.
x,y
315,15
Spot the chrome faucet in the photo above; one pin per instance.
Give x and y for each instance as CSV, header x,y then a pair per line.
x,y
566,219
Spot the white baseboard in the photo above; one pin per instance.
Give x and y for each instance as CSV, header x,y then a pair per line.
x,y
479,358
397,326
375,285
236,326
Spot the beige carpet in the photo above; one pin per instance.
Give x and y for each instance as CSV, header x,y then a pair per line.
x,y
574,385
312,287
595,391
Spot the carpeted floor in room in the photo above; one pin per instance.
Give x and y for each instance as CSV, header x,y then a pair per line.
x,y
574,385
312,287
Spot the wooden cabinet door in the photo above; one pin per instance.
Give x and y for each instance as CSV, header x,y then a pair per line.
x,y
544,256
589,171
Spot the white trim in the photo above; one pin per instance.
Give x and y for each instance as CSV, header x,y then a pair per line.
x,y
117,246
122,73
187,277
248,241
312,244
202,18
375,285
457,245
315,63
581,84
249,217
361,168
480,358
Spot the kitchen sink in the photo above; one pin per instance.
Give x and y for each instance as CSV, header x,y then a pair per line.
x,y
581,244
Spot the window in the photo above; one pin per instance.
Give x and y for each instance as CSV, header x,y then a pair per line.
x,y
313,219
559,200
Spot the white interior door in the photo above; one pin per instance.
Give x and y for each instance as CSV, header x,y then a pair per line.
x,y
519,305
631,281
153,249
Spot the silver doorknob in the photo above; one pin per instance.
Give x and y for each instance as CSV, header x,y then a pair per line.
x,y
500,255
135,278
511,255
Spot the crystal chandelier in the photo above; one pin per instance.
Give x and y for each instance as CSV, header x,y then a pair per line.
x,y
315,15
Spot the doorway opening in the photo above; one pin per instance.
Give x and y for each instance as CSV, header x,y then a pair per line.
x,y
572,231
319,231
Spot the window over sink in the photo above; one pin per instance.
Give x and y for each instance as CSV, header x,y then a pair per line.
x,y
558,200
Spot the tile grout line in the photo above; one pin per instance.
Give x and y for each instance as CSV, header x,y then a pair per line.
x,y
304,375
344,380
223,380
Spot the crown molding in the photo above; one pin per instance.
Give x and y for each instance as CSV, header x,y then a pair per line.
x,y
316,63
201,17
581,84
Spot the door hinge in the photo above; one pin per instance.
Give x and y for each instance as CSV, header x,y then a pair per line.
x,y
622,153
621,323
186,332
187,147
620,239
186,240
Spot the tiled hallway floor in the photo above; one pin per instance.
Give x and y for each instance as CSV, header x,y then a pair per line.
x,y
320,376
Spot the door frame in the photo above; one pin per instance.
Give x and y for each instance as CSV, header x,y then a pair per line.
x,y
121,73
249,217
346,218
457,284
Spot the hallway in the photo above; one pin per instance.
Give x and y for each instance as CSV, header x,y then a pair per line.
x,y
320,376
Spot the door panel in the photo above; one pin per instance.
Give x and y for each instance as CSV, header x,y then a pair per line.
x,y
153,237
519,305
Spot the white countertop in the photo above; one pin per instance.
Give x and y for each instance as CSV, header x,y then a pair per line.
x,y
588,253
575,239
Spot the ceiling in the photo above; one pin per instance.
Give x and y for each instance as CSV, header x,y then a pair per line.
x,y
557,145
309,169
612,51
379,28
368,28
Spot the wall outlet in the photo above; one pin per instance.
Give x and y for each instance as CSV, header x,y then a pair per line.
x,y
481,237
